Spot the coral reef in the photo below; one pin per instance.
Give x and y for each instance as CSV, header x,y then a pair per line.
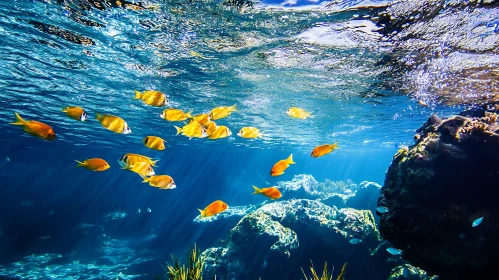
x,y
435,190
409,272
276,239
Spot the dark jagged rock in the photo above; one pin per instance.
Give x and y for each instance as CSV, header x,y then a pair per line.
x,y
277,239
435,189
62,33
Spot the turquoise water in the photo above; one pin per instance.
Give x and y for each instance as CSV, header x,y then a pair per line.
x,y
60,221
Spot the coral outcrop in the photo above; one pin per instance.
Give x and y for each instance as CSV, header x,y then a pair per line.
x,y
409,272
435,189
280,237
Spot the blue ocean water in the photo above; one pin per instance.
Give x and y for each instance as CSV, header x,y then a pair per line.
x,y
60,221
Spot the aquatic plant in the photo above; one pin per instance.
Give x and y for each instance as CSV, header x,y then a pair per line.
x,y
193,270
325,273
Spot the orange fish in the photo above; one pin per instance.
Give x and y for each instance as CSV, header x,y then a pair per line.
x,y
76,113
35,128
160,181
324,150
152,97
94,164
214,208
280,166
154,142
272,192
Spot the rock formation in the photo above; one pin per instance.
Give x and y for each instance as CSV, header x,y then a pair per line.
x,y
435,189
279,238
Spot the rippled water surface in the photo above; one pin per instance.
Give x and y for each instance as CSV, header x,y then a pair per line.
x,y
202,54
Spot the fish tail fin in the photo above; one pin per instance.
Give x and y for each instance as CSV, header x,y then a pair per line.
x,y
144,178
333,146
260,135
202,213
179,130
98,116
233,107
257,190
80,164
126,167
188,114
65,109
289,160
19,120
138,94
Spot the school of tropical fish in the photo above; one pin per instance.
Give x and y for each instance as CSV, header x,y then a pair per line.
x,y
198,126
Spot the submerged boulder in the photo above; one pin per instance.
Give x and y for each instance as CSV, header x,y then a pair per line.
x,y
437,188
277,239
409,272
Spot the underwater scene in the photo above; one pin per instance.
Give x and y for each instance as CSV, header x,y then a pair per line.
x,y
244,139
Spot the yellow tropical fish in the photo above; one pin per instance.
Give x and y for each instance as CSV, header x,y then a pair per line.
x,y
422,103
152,97
220,132
210,128
129,159
280,166
94,164
324,149
203,119
35,128
193,129
160,181
174,115
76,113
249,132
196,54
141,168
114,123
154,142
298,113
272,192
222,112
214,208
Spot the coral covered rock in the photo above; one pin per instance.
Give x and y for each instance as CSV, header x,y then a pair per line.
x,y
279,238
434,191
409,272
